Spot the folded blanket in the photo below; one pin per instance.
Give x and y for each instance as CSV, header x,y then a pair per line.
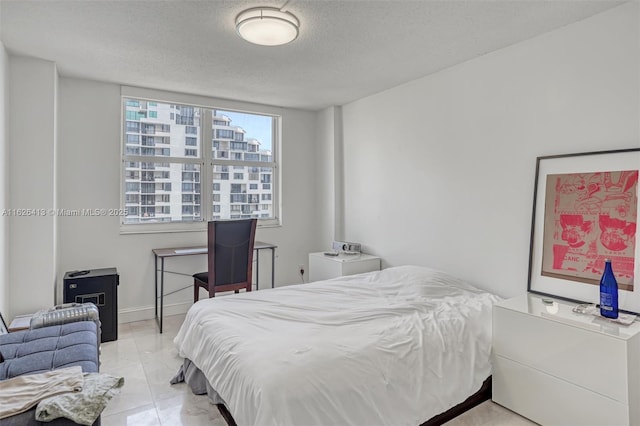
x,y
20,393
82,407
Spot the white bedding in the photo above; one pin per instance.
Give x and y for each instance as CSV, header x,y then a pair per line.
x,y
394,347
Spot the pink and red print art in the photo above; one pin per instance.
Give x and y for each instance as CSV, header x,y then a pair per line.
x,y
590,217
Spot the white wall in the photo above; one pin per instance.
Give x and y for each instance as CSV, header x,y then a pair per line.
x,y
328,172
32,136
89,177
4,182
440,171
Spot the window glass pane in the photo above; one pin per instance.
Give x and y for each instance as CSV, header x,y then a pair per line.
x,y
166,132
238,198
241,136
162,192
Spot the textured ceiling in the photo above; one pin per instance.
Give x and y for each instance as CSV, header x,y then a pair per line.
x,y
346,49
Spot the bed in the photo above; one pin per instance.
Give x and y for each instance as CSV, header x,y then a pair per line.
x,y
392,347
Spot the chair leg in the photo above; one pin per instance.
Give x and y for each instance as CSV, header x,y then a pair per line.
x,y
196,291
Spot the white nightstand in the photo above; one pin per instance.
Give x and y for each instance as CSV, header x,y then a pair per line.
x,y
323,267
557,367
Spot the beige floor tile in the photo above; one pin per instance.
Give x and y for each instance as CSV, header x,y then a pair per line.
x,y
489,414
121,353
143,327
124,331
188,409
135,392
145,415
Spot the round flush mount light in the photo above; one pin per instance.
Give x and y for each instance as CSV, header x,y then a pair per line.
x,y
267,26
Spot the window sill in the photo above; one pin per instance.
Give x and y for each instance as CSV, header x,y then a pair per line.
x,y
201,226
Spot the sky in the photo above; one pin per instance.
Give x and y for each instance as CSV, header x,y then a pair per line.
x,y
255,126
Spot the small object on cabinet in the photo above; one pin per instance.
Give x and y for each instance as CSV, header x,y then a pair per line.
x,y
608,292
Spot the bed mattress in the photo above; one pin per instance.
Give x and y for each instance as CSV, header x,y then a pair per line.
x,y
392,347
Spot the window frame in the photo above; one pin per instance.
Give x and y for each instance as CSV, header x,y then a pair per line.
x,y
205,159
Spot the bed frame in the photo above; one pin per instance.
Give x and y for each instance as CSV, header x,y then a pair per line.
x,y
477,398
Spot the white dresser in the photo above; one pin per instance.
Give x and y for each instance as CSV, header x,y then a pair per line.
x,y
557,367
323,267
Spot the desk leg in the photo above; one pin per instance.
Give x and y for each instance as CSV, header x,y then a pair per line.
x,y
161,291
273,267
155,288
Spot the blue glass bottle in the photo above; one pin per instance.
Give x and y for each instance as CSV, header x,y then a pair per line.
x,y
608,292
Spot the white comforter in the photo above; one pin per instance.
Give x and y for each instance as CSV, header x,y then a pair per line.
x,y
394,347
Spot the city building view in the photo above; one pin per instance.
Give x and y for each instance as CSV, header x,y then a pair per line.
x,y
166,163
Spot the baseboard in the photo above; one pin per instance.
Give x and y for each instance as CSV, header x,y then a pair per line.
x,y
148,312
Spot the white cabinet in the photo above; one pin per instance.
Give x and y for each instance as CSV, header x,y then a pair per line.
x,y
557,367
323,267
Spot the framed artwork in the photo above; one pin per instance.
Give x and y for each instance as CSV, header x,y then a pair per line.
x,y
585,210
3,326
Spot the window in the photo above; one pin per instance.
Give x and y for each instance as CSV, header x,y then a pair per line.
x,y
132,126
238,198
224,134
187,164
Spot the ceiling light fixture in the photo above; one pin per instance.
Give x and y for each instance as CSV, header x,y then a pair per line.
x,y
267,26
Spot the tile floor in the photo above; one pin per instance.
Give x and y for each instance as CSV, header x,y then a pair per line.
x,y
147,360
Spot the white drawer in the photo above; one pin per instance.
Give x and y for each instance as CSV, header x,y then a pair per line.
x,y
589,359
551,401
323,267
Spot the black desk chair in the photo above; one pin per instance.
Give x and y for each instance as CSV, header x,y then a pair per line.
x,y
230,257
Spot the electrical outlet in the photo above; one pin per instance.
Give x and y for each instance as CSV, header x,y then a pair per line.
x,y
302,270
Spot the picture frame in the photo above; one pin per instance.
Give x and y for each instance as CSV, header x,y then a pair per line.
x,y
3,326
585,209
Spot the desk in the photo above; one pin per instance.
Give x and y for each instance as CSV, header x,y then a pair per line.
x,y
163,253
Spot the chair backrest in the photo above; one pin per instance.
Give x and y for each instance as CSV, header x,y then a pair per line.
x,y
230,251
